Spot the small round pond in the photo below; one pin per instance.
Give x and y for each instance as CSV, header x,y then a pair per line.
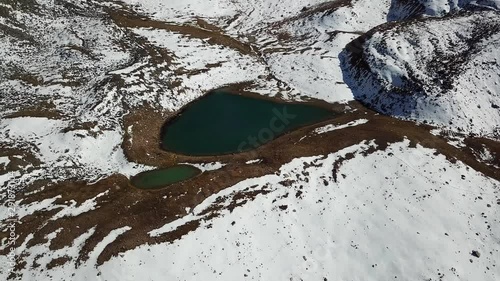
x,y
160,178
223,123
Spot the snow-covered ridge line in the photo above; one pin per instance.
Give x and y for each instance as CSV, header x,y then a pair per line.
x,y
407,9
415,71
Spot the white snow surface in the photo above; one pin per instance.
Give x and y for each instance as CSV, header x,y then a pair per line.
x,y
441,7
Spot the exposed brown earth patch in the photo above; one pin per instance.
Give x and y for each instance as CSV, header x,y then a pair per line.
x,y
18,159
486,150
326,7
123,18
141,140
58,262
45,109
143,126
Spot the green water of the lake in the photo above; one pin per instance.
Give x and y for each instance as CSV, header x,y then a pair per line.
x,y
224,123
164,177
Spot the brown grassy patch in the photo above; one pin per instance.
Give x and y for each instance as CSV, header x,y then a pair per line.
x,y
123,18
45,109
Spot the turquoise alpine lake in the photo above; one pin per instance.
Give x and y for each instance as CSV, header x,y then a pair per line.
x,y
223,123
163,177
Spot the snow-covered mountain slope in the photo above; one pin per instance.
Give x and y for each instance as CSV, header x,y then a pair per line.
x,y
396,222
50,52
82,63
237,15
444,71
298,42
305,56
54,64
86,86
90,63
405,9
400,213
